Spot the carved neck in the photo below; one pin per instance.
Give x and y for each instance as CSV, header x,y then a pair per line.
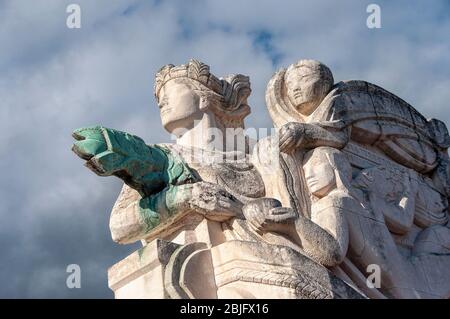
x,y
210,134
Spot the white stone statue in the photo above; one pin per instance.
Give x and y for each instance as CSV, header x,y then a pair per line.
x,y
362,179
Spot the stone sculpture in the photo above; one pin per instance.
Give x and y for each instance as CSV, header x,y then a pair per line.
x,y
367,158
356,178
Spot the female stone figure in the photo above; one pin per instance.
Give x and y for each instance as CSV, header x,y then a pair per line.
x,y
166,181
330,134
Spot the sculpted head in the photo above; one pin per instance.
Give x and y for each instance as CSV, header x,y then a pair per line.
x,y
179,104
306,83
325,169
184,93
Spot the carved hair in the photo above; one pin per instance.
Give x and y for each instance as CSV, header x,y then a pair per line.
x,y
227,96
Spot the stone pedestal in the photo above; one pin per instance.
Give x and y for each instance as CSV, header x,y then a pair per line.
x,y
232,269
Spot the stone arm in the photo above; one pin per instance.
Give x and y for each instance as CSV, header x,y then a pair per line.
x,y
146,168
324,241
134,217
324,237
306,136
159,183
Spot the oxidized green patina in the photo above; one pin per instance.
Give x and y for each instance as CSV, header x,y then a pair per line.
x,y
157,208
154,171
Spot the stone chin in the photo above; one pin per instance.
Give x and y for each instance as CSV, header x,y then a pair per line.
x,y
307,107
172,122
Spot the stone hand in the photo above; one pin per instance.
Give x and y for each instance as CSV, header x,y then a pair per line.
x,y
267,214
208,199
290,136
111,152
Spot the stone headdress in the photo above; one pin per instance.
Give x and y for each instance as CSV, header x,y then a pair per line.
x,y
230,92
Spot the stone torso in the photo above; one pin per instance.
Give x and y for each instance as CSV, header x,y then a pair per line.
x,y
231,170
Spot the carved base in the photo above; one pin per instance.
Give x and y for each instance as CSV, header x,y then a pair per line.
x,y
234,269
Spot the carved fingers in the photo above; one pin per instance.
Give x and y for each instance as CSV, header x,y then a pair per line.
x,y
214,202
266,214
94,145
290,136
90,142
208,199
111,152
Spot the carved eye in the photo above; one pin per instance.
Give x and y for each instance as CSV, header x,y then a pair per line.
x,y
163,102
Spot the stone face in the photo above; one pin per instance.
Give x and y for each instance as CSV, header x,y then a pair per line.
x,y
355,180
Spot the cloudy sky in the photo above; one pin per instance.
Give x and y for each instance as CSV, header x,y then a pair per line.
x,y
54,212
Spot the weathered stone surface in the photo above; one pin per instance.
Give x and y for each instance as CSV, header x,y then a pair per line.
x,y
368,158
356,178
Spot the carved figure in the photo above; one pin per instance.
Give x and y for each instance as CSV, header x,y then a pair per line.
x,y
356,177
200,193
351,129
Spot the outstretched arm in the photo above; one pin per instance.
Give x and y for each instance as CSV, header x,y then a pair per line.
x,y
311,135
147,169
